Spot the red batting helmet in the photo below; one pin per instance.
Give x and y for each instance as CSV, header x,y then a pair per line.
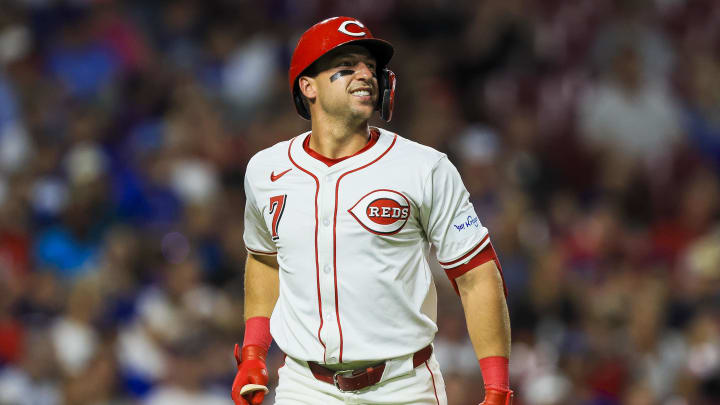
x,y
329,34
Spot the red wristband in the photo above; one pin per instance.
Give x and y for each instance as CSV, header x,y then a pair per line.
x,y
495,372
257,332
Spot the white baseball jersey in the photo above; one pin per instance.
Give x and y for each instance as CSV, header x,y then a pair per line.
x,y
352,241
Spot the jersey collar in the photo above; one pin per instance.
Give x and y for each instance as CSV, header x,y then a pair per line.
x,y
309,160
374,135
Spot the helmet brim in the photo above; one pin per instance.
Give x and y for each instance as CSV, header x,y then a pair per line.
x,y
380,49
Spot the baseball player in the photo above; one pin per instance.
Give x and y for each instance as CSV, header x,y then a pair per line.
x,y
339,222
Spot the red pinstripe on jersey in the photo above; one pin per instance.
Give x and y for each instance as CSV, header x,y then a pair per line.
x,y
317,263
337,188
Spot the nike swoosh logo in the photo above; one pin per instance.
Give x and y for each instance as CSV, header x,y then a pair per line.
x,y
274,177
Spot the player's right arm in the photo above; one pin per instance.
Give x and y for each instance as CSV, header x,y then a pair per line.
x,y
261,285
261,294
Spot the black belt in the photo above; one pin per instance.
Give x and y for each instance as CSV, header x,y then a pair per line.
x,y
355,380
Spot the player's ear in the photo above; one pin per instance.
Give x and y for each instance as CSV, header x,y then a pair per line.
x,y
307,87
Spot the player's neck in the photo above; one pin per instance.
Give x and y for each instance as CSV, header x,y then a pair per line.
x,y
336,141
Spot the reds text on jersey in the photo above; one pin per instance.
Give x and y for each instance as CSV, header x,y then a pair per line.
x,y
352,241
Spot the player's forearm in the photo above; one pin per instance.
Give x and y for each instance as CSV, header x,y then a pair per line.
x,y
261,285
486,313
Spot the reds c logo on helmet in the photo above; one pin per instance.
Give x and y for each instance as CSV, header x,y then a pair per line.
x,y
382,212
331,33
344,30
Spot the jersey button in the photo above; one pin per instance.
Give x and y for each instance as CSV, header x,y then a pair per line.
x,y
326,269
332,359
326,221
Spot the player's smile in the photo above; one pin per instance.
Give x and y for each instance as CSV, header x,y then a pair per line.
x,y
363,93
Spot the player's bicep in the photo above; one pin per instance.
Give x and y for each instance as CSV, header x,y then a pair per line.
x,y
482,278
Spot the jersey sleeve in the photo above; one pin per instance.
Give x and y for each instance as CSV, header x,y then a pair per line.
x,y
256,234
452,225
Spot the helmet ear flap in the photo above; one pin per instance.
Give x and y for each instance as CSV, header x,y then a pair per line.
x,y
387,93
300,106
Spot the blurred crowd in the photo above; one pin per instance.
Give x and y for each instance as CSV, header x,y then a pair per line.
x,y
587,132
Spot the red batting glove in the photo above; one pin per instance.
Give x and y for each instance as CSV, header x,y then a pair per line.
x,y
497,397
251,370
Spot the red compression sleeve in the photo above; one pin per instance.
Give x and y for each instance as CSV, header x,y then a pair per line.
x,y
257,332
495,372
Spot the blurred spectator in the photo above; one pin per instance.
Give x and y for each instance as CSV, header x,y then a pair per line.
x,y
15,238
73,334
35,381
165,314
249,69
697,210
701,264
456,352
627,117
97,384
12,331
176,32
634,24
111,21
42,301
84,65
15,145
184,385
71,248
701,112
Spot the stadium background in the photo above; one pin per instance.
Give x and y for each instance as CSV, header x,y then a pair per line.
x,y
588,134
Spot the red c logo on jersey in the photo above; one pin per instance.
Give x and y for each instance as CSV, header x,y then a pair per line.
x,y
382,212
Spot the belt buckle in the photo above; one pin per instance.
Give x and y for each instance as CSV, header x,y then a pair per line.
x,y
341,373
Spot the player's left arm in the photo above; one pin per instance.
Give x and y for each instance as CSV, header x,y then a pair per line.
x,y
488,322
466,253
486,312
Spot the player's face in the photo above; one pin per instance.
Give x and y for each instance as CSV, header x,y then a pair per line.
x,y
347,83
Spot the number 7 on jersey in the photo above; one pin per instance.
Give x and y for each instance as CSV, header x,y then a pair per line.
x,y
277,206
